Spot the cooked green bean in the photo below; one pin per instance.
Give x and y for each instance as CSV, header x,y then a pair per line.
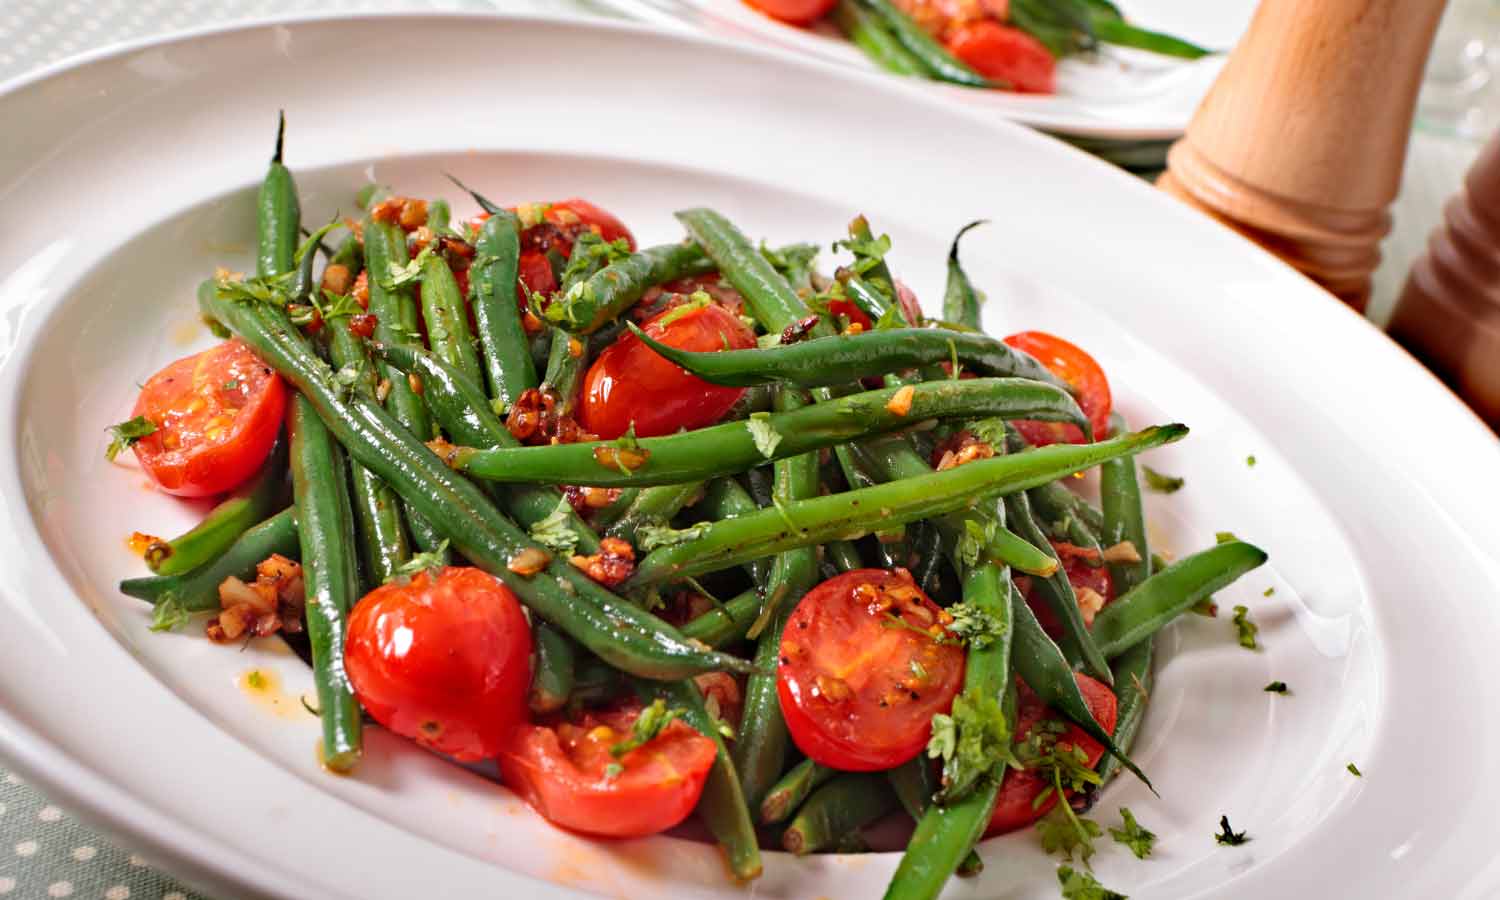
x,y
727,623
847,803
600,298
278,215
839,359
768,296
1078,643
655,506
447,318
943,65
736,446
844,555
961,300
726,498
198,590
846,515
438,214
1133,676
1167,594
497,316
613,628
552,669
869,35
786,796
206,541
1124,519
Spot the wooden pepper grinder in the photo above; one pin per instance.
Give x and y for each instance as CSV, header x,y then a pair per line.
x,y
1448,314
1299,143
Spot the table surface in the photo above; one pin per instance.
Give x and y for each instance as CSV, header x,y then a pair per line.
x,y
44,853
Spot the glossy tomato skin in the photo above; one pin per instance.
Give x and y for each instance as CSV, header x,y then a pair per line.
x,y
593,217
1075,366
849,691
629,382
1005,54
217,415
561,769
1014,807
443,659
793,12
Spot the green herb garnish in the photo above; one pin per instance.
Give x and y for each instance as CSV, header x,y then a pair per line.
x,y
421,562
647,726
1277,687
1227,836
125,434
1162,484
974,626
1354,770
1132,835
973,742
1244,628
764,434
554,530
1083,886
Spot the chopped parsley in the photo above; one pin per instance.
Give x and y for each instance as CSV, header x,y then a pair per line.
x,y
1228,837
1083,886
1277,687
256,680
422,562
1063,832
554,530
647,726
868,252
1161,483
613,770
975,539
1250,460
1354,770
1268,592
975,626
652,535
891,318
1224,537
763,433
696,301
1132,835
398,275
973,742
168,615
1244,628
1068,769
125,434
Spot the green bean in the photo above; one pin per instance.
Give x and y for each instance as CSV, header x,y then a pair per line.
x,y
206,541
463,411
552,669
198,590
278,215
794,262
869,35
839,359
655,506
1058,593
726,498
786,796
330,573
928,550
961,300
845,515
760,750
607,516
1110,27
947,831
439,213
1124,519
377,509
611,627
350,254
736,446
722,805
844,805
1133,676
943,65
769,298
603,296
1060,508
447,318
1042,666
915,782
1167,594
497,316
844,554
727,623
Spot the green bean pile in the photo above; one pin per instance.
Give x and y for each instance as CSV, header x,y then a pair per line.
x,y
398,442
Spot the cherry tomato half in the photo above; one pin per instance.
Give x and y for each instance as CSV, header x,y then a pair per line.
x,y
1070,363
216,415
1006,54
444,660
563,771
563,212
629,382
793,12
861,675
1016,805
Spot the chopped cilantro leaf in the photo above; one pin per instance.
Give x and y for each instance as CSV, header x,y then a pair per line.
x,y
125,434
1245,628
398,275
889,319
1064,832
554,530
1224,537
647,726
696,301
168,615
1132,835
1277,687
868,252
1268,592
1250,460
1228,837
651,536
1083,886
975,538
1162,484
1354,770
764,434
975,626
421,562
973,742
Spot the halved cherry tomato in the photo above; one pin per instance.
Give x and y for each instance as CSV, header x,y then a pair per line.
x,y
443,659
563,771
216,415
793,12
1019,790
629,382
534,274
1006,54
563,213
861,674
1070,363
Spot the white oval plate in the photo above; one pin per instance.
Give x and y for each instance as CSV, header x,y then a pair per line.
x,y
1117,93
129,177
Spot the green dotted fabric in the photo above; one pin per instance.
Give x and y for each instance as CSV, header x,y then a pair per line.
x,y
46,854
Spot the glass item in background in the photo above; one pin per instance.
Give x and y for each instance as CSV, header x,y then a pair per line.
x,y
1461,88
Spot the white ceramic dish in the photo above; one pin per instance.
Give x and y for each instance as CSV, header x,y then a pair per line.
x,y
1118,93
1374,488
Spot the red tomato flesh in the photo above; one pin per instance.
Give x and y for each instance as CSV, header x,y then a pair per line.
x,y
1006,54
1070,363
1021,787
575,210
629,382
563,771
793,12
443,659
858,688
217,415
